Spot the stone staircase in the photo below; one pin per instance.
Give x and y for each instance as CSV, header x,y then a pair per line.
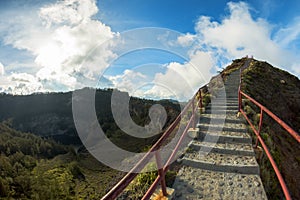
x,y
220,162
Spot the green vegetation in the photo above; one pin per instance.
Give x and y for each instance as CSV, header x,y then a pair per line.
x,y
49,163
279,91
144,180
35,168
50,115
236,65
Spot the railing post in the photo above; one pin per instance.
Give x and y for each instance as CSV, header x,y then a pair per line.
x,y
161,173
193,112
259,126
240,98
200,101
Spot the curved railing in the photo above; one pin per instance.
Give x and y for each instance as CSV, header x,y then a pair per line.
x,y
264,110
154,152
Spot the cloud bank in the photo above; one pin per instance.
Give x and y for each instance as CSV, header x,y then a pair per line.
x,y
239,34
60,36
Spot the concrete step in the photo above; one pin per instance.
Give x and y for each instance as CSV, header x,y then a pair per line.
x,y
222,107
231,92
219,125
214,111
244,149
229,96
232,84
221,162
231,87
221,136
231,116
224,103
216,119
194,183
233,99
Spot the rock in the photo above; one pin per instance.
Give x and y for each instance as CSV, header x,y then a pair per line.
x,y
178,194
282,81
221,184
190,190
221,192
256,183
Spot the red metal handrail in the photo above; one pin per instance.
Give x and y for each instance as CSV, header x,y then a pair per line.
x,y
263,110
154,151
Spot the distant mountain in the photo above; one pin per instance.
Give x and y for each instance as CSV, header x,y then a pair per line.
x,y
50,114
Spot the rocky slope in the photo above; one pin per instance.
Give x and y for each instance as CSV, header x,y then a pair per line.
x,y
279,91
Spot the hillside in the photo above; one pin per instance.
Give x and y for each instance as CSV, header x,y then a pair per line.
x,y
279,91
50,115
35,168
49,162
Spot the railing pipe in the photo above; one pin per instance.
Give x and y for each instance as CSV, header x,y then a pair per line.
x,y
175,150
152,188
161,173
240,99
278,174
124,182
193,112
173,154
259,126
277,119
200,101
257,132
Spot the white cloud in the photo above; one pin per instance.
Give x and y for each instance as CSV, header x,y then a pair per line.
x,y
288,34
60,36
129,81
181,81
20,83
1,69
186,40
68,11
178,81
239,34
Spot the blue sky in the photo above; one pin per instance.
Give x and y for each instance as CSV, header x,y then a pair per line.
x,y
54,45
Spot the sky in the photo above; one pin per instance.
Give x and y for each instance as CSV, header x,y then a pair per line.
x,y
151,48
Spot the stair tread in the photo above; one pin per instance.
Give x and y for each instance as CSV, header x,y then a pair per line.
x,y
229,146
208,119
221,159
220,132
219,115
217,125
208,184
